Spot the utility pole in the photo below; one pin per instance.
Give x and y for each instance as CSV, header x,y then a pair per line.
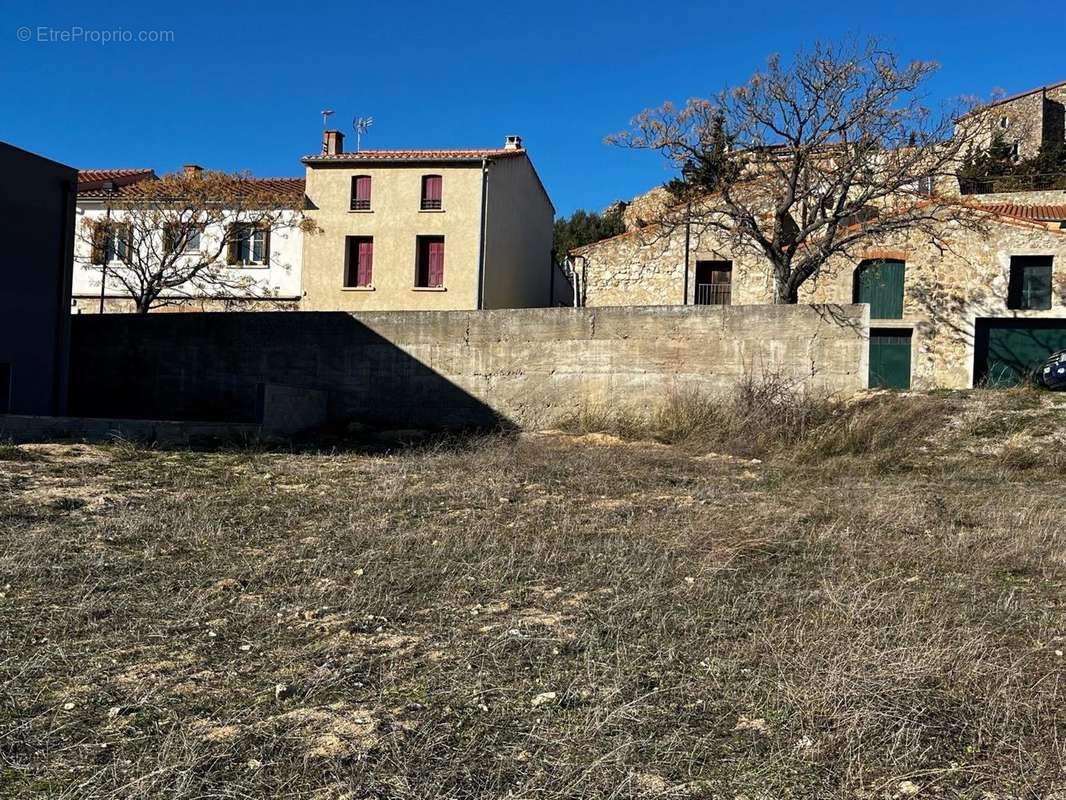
x,y
109,187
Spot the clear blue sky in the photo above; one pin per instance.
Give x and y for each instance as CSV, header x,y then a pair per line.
x,y
242,84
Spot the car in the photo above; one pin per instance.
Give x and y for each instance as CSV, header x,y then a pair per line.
x,y
1053,373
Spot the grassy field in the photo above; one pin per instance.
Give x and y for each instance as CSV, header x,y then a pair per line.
x,y
872,607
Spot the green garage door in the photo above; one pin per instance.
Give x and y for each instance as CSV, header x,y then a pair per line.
x,y
890,358
1008,351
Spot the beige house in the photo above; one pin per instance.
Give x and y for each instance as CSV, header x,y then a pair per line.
x,y
426,229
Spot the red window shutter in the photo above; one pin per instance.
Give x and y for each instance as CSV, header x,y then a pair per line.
x,y
436,264
362,188
431,192
365,274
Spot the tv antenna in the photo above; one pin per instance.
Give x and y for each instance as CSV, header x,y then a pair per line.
x,y
326,114
361,125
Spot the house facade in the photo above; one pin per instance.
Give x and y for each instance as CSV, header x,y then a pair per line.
x,y
984,310
37,217
426,229
268,276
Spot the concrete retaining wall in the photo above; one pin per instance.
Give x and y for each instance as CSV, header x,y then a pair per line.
x,y
447,369
26,428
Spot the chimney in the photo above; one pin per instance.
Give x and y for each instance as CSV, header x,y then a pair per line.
x,y
332,143
513,143
193,170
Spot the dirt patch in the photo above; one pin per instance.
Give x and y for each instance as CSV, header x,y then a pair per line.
x,y
333,731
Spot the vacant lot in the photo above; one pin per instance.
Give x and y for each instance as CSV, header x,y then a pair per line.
x,y
875,609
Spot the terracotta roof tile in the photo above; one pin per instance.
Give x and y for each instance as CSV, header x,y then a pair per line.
x,y
92,180
126,181
1040,213
415,155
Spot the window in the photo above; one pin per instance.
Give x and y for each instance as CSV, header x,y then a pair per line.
x,y
429,269
249,245
431,192
181,238
359,262
714,283
111,242
361,193
880,283
1029,288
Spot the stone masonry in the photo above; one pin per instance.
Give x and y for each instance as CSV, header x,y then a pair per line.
x,y
944,292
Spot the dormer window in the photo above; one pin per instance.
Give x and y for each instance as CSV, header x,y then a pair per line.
x,y
432,186
361,193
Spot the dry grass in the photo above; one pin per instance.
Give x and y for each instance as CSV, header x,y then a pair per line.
x,y
548,616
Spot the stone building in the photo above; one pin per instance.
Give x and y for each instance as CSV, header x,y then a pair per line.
x,y
986,309
1025,121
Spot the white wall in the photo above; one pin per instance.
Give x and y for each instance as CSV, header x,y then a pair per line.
x,y
281,279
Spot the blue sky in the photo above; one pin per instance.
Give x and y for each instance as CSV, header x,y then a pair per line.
x,y
242,84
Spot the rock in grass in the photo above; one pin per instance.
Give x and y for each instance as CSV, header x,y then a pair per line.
x,y
543,698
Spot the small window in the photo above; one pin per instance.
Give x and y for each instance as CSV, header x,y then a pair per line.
x,y
714,283
249,245
184,239
1029,288
432,186
192,241
359,262
120,244
361,193
1004,123
111,242
429,269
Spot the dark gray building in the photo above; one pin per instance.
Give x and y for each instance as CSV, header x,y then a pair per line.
x,y
37,225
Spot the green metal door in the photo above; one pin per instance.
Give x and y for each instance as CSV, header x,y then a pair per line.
x,y
890,359
1009,351
880,283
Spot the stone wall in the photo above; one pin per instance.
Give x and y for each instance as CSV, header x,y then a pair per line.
x,y
448,369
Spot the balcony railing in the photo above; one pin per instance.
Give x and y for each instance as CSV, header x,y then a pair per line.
x,y
430,205
359,204
713,294
991,184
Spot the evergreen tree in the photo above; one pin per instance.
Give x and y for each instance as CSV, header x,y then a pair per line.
x,y
585,227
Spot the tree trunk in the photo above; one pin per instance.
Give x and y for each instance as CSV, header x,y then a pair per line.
x,y
144,305
785,293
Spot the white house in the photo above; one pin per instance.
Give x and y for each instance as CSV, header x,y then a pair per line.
x,y
265,273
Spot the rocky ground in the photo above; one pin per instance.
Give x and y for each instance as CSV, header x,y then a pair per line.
x,y
872,610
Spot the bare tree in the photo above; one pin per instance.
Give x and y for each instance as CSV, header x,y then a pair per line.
x,y
186,237
823,156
